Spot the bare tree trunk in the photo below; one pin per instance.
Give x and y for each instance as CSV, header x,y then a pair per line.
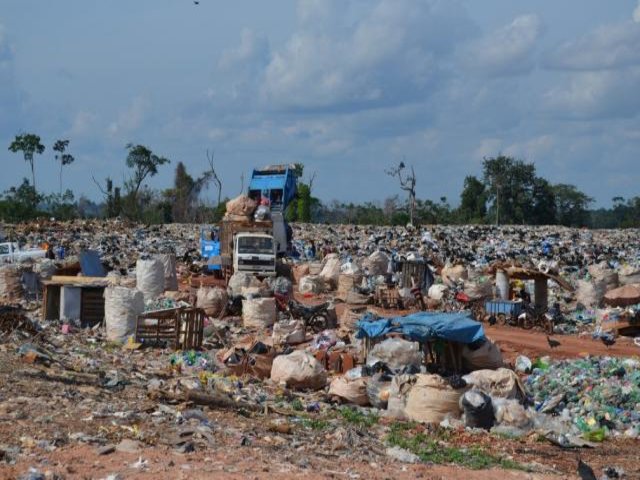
x,y
33,176
61,179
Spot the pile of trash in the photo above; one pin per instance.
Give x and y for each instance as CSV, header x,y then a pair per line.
x,y
597,394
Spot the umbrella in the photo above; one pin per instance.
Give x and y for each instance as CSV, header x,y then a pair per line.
x,y
623,296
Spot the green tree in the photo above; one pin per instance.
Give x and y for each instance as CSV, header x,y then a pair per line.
x,y
64,158
571,205
181,193
543,203
20,203
144,163
510,186
304,203
29,144
473,201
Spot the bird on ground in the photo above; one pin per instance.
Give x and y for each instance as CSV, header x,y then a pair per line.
x,y
553,343
608,340
585,472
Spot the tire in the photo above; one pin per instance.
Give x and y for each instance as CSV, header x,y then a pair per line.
x,y
528,322
502,319
317,323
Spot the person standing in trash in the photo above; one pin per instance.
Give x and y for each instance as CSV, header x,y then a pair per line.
x,y
312,250
50,253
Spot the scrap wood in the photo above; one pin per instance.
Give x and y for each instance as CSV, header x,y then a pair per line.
x,y
65,376
213,399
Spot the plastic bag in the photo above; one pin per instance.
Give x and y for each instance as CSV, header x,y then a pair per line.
x,y
487,356
396,353
478,409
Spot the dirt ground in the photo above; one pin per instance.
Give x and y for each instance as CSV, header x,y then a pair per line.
x,y
58,429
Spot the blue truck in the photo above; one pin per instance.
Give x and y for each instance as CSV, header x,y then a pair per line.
x,y
229,247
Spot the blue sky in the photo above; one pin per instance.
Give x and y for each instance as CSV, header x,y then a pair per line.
x,y
346,87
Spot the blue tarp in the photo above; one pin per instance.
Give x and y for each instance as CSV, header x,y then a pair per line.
x,y
423,326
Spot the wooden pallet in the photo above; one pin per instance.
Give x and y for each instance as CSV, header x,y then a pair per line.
x,y
180,328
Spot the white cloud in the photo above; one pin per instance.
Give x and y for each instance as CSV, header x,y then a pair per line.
x,y
533,149
636,14
83,122
607,47
253,50
507,50
386,57
489,147
599,94
131,118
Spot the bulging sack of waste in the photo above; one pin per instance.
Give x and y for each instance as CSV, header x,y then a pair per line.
x,y
258,312
478,290
300,271
431,399
396,353
45,268
288,332
241,205
282,286
451,274
437,291
211,300
587,294
331,270
122,306
350,317
629,274
478,410
485,356
398,392
10,284
350,391
238,281
170,274
377,263
500,383
299,370
262,213
347,282
311,284
150,278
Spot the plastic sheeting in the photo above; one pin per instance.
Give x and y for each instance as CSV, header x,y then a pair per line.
x,y
424,326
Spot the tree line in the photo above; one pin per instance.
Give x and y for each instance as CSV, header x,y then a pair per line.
x,y
509,191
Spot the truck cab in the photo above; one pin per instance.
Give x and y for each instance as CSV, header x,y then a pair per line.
x,y
254,253
10,252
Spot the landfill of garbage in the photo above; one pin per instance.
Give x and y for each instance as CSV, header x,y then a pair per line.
x,y
372,346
